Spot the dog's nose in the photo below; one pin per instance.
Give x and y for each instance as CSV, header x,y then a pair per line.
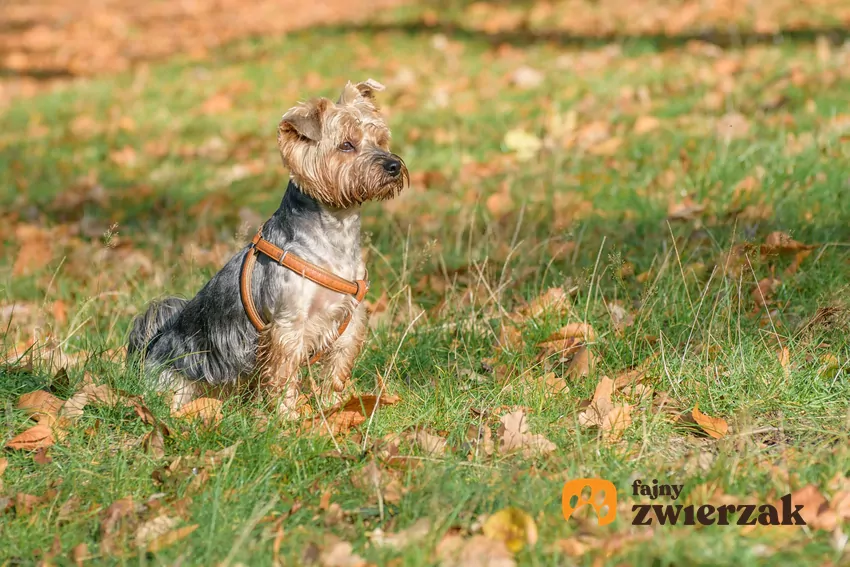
x,y
392,166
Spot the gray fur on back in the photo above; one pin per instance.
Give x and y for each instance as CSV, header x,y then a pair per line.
x,y
209,338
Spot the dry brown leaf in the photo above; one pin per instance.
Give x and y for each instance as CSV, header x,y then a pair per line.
x,y
338,553
170,538
480,439
40,403
72,409
582,363
79,554
153,443
511,526
620,317
36,437
715,427
41,457
406,537
616,422
4,462
152,529
111,521
428,443
816,510
347,415
686,210
36,250
101,394
477,551
580,331
781,243
206,409
553,302
514,435
646,124
611,419
784,356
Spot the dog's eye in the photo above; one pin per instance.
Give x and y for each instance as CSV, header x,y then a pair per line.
x,y
346,147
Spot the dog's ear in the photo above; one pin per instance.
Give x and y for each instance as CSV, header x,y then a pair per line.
x,y
365,90
304,120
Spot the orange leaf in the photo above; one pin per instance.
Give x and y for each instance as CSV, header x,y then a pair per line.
x,y
714,426
343,417
35,437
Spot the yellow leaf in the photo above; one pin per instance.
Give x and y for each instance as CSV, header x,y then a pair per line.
x,y
513,527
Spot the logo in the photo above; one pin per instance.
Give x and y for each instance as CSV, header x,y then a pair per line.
x,y
602,498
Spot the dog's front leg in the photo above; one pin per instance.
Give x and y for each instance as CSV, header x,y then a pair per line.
x,y
339,361
280,352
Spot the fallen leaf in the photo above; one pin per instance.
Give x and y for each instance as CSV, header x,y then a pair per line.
x,y
620,317
551,303
784,356
112,518
152,529
715,427
781,243
79,554
170,538
514,435
36,250
511,526
686,210
646,124
429,443
217,104
208,410
816,510
526,77
4,462
24,503
582,331
35,437
582,363
406,537
611,419
616,422
41,457
523,143
347,415
101,394
338,553
72,409
153,443
39,403
477,551
480,439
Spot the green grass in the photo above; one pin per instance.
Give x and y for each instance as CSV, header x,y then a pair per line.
x,y
705,339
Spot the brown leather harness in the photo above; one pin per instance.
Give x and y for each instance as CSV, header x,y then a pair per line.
x,y
303,268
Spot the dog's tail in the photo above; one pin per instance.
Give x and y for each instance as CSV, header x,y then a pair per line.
x,y
159,315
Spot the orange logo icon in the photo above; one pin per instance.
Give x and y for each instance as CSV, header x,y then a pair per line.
x,y
602,498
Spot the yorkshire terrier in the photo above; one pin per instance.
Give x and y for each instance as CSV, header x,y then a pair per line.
x,y
292,296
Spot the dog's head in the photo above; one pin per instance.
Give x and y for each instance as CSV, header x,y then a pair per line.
x,y
339,153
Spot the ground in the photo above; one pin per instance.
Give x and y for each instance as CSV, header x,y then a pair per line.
x,y
624,255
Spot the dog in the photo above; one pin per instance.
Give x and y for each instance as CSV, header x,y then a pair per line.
x,y
271,308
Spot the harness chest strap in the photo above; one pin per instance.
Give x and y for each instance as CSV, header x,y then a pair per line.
x,y
303,268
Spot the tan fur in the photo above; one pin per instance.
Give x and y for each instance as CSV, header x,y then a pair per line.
x,y
310,136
